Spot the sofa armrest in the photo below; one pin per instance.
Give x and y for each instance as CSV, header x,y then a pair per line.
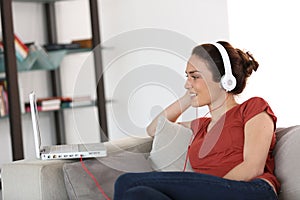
x,y
43,180
34,179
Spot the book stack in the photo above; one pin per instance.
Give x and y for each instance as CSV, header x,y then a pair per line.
x,y
56,103
49,104
22,50
45,104
3,98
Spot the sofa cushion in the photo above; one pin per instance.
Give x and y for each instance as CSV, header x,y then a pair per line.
x,y
131,144
170,146
287,162
80,183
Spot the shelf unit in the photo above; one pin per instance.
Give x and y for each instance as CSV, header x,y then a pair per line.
x,y
11,71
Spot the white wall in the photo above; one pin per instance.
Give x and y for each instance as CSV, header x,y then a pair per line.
x,y
269,30
127,55
182,24
198,21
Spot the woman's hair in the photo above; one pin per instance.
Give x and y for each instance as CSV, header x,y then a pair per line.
x,y
242,63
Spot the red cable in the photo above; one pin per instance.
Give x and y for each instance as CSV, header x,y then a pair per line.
x,y
186,159
94,179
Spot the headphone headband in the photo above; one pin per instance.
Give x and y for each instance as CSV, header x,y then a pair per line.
x,y
228,81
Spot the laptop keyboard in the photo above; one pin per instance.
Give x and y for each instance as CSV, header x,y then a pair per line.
x,y
64,148
89,147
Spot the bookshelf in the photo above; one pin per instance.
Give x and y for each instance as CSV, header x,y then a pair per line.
x,y
12,67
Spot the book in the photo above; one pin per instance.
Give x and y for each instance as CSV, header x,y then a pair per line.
x,y
51,103
81,101
54,47
50,107
27,107
85,43
2,103
48,102
1,47
4,110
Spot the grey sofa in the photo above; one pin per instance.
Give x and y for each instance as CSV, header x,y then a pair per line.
x,y
44,180
41,180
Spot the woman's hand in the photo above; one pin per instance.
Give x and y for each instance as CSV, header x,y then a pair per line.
x,y
185,124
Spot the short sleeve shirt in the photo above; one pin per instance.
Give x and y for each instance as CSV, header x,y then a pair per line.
x,y
221,149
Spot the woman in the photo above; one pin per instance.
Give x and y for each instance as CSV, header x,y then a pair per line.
x,y
231,151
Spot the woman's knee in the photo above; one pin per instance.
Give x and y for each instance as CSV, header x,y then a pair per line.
x,y
125,180
145,193
131,179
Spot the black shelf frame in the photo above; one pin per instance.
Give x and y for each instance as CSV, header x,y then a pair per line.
x,y
55,74
11,73
96,39
12,80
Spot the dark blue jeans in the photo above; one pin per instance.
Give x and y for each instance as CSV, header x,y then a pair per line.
x,y
188,186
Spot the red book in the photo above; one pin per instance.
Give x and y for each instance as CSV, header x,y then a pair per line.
x,y
1,47
17,40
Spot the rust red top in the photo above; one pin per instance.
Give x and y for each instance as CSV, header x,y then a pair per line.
x,y
221,149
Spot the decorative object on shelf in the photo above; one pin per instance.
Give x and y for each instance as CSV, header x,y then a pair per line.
x,y
47,60
22,50
38,59
25,58
85,43
3,98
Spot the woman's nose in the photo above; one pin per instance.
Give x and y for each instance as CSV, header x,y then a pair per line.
x,y
187,84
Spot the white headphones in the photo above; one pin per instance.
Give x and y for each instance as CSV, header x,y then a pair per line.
x,y
228,81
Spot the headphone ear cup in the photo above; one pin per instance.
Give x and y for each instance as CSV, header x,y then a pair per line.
x,y
228,82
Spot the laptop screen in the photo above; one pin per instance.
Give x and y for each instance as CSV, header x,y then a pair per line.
x,y
35,123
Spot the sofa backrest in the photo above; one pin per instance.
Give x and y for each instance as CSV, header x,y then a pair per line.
x,y
287,162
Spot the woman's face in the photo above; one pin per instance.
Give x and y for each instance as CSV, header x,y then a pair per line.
x,y
202,89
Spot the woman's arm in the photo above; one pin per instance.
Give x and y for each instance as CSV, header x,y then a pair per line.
x,y
258,137
172,112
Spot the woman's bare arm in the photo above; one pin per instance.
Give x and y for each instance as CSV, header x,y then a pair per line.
x,y
258,137
172,112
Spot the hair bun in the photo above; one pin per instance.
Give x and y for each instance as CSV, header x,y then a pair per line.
x,y
248,62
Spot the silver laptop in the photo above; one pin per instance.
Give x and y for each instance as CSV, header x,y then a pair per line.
x,y
70,151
